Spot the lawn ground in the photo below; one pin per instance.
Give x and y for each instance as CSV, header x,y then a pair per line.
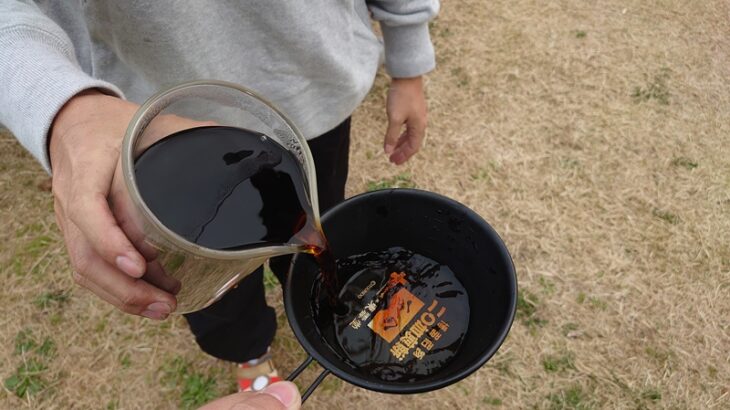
x,y
595,138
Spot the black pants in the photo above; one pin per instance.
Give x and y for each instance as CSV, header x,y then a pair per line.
x,y
240,326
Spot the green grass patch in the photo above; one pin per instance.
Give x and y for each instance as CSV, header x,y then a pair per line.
x,y
580,34
437,30
526,304
665,216
485,173
125,360
27,379
174,371
195,388
399,181
37,246
18,265
198,390
547,286
504,365
51,299
25,341
331,385
463,389
481,175
492,401
47,348
660,355
651,394
558,363
101,326
55,319
26,229
26,259
597,303
527,309
593,301
573,398
684,162
270,280
655,89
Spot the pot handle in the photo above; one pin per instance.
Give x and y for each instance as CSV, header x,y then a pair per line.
x,y
316,381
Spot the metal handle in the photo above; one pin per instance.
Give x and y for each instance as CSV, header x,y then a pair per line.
x,y
316,381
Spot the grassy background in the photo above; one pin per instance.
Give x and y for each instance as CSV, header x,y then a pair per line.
x,y
592,135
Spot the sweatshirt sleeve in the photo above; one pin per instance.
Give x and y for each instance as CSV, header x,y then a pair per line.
x,y
408,48
39,73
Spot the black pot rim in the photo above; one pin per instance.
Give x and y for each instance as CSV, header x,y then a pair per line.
x,y
416,387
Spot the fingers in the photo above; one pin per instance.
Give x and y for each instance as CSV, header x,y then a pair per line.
x,y
278,396
133,296
409,143
406,148
128,218
130,295
157,276
91,214
392,134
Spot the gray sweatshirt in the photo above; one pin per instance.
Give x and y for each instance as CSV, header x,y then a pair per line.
x,y
315,59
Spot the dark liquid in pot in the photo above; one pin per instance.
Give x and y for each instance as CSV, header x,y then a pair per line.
x,y
406,315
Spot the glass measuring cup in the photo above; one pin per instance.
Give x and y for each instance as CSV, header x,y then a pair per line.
x,y
198,274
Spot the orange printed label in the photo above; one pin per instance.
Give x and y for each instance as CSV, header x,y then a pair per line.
x,y
402,308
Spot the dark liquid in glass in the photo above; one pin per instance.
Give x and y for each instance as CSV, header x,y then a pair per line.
x,y
229,188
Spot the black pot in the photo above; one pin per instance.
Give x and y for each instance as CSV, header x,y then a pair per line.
x,y
436,227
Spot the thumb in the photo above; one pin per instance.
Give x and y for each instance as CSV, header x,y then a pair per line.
x,y
391,136
278,396
287,393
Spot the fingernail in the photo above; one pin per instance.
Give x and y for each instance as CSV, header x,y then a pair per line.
x,y
160,307
285,392
127,265
154,315
389,149
398,158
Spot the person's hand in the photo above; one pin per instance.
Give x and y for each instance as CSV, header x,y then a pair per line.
x,y
278,396
85,143
406,105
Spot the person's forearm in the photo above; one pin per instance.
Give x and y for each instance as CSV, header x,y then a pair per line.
x,y
72,113
38,75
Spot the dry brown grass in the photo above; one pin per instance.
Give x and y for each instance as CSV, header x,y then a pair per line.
x,y
592,135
